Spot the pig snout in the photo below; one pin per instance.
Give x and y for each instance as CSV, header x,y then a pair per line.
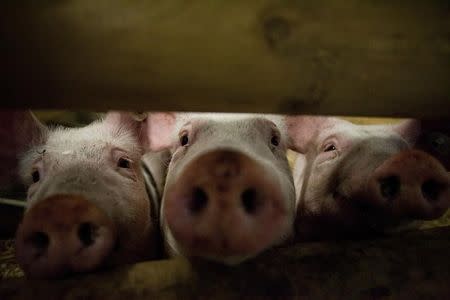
x,y
411,184
63,234
225,205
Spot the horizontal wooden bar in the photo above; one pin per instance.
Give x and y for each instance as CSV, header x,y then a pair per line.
x,y
355,57
410,266
12,202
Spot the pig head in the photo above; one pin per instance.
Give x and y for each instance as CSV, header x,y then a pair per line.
x,y
87,204
229,193
352,180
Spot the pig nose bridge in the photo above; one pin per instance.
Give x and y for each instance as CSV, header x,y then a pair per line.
x,y
236,145
74,181
69,176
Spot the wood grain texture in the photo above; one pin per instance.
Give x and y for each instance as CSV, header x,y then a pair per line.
x,y
355,57
408,266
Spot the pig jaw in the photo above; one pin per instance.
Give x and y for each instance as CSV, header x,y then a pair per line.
x,y
216,229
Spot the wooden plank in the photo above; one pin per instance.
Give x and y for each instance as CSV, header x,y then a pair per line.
x,y
355,57
414,266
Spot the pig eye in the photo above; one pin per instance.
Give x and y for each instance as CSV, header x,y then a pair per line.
x,y
275,140
35,176
184,139
124,163
329,147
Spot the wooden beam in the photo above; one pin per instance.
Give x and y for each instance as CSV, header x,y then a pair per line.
x,y
355,57
411,266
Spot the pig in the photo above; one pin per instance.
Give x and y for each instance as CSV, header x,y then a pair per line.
x,y
358,181
229,193
87,205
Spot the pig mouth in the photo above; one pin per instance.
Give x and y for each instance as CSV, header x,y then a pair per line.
x,y
356,202
223,253
222,249
366,216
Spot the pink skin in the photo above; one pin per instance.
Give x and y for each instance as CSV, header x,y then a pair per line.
x,y
229,193
352,180
87,205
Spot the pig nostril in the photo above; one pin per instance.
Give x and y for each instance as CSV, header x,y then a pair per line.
x,y
39,240
250,200
86,233
198,201
431,190
390,186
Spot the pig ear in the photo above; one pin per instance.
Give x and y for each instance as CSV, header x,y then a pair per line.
x,y
409,129
129,122
302,130
19,130
160,127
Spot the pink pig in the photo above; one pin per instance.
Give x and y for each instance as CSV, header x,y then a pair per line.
x,y
87,204
352,179
229,193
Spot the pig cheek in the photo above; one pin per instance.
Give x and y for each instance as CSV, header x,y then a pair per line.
x,y
133,210
177,216
176,167
288,190
135,226
36,191
128,174
326,157
178,154
321,189
32,191
321,186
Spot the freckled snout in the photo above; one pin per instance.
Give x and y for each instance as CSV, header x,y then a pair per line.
x,y
63,234
411,184
224,205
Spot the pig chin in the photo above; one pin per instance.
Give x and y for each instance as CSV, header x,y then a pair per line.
x,y
228,260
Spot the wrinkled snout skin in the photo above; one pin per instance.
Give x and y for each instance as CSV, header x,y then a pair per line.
x,y
354,180
64,234
229,193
